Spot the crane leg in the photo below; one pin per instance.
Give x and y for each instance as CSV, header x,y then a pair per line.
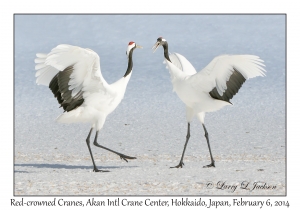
x,y
122,156
186,142
88,144
211,157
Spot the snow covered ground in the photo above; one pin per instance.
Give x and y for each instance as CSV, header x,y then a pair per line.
x,y
248,139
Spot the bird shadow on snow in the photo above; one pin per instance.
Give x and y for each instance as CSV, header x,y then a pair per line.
x,y
21,171
62,166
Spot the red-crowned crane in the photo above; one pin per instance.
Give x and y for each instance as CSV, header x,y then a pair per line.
x,y
73,74
211,88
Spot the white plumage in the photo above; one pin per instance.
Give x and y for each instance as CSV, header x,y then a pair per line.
x,y
74,76
193,88
211,88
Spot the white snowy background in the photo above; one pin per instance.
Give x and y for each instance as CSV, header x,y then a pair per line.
x,y
248,139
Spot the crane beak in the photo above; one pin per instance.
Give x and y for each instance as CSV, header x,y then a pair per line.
x,y
138,46
155,46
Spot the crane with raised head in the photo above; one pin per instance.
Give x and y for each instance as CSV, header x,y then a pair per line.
x,y
74,76
209,89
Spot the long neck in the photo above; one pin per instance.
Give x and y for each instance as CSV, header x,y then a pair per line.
x,y
166,51
130,63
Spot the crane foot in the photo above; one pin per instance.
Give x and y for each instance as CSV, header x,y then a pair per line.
x,y
97,170
179,165
125,157
210,165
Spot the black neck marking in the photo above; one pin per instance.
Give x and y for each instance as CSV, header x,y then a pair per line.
x,y
166,51
130,63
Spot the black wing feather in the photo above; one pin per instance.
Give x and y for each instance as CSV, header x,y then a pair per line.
x,y
60,88
234,83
